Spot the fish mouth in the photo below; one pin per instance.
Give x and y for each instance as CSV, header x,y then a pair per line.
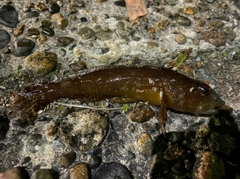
x,y
210,109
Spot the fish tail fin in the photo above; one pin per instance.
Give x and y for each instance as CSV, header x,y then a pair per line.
x,y
26,105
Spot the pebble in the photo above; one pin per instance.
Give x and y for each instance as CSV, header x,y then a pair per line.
x,y
48,31
54,8
78,3
215,38
120,3
141,113
4,38
4,126
86,32
161,24
181,39
80,171
67,159
188,10
215,24
145,144
83,19
64,41
40,6
15,173
171,2
8,16
41,39
22,47
45,173
40,63
19,30
31,14
84,129
95,162
59,20
183,21
45,23
112,170
32,32
208,165
71,9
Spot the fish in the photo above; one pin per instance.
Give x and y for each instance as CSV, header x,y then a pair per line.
x,y
161,87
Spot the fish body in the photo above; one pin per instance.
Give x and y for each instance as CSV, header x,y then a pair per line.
x,y
157,86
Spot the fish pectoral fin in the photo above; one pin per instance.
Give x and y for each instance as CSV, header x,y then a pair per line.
x,y
162,118
123,100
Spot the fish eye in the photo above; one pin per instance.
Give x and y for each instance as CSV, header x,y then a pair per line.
x,y
204,90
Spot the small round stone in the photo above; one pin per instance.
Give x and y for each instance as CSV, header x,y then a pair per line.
x,y
41,39
67,159
145,144
80,171
4,38
19,30
181,38
41,63
45,173
86,33
215,38
8,16
54,8
31,14
32,32
95,162
45,23
59,20
112,170
64,41
141,113
188,10
161,24
40,6
48,31
22,47
120,3
183,21
78,3
15,173
83,19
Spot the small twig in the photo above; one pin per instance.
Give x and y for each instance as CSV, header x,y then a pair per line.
x,y
86,107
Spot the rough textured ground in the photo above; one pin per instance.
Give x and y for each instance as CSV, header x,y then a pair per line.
x,y
102,36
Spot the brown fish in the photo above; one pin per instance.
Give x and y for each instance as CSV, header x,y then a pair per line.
x,y
157,86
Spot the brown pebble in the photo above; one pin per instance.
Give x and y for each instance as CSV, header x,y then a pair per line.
x,y
67,159
32,32
141,113
41,63
41,39
59,20
144,144
15,173
161,24
215,38
195,42
40,6
19,30
80,171
188,10
63,41
181,38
